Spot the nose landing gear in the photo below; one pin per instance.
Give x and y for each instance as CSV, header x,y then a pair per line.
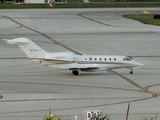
x,y
131,71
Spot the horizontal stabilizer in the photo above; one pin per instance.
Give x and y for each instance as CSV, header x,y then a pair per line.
x,y
17,41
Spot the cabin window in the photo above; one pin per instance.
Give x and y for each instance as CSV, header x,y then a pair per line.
x,y
114,59
95,58
100,59
105,59
110,59
90,58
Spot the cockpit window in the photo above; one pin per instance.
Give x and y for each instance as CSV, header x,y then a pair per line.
x,y
127,59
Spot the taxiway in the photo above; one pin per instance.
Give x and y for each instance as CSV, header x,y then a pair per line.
x,y
29,90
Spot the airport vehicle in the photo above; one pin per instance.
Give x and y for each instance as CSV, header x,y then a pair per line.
x,y
73,62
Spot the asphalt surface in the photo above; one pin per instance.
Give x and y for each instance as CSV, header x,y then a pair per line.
x,y
29,90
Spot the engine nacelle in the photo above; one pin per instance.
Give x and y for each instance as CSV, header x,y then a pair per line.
x,y
60,56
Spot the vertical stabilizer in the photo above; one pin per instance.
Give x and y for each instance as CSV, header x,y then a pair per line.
x,y
29,47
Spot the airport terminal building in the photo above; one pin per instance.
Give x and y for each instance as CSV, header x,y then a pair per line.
x,y
37,1
30,1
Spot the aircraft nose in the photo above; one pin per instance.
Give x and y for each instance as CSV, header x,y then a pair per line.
x,y
139,64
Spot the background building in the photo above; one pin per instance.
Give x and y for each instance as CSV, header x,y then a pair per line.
x,y
36,1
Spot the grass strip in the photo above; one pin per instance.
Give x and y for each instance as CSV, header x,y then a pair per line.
x,y
144,18
80,5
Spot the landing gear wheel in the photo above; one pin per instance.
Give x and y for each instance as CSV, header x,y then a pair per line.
x,y
131,72
75,72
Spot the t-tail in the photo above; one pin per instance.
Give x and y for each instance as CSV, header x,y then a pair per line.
x,y
29,48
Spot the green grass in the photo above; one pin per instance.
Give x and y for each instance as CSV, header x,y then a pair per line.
x,y
23,6
97,0
127,0
51,118
74,1
80,5
144,18
107,5
143,0
150,118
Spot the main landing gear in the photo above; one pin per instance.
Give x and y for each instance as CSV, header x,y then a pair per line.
x,y
75,72
131,71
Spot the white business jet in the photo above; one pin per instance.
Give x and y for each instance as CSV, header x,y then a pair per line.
x,y
73,62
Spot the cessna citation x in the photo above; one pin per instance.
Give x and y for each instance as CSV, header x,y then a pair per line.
x,y
73,62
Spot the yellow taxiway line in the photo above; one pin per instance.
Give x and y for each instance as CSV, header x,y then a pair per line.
x,y
133,83
46,36
145,12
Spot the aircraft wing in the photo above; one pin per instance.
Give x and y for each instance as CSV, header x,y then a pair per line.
x,y
84,68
